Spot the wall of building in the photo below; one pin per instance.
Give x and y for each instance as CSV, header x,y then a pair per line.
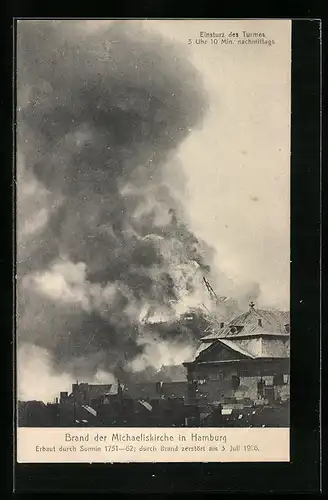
x,y
265,347
150,390
242,368
216,382
34,414
85,393
249,388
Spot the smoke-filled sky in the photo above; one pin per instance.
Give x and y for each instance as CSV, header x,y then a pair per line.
x,y
143,165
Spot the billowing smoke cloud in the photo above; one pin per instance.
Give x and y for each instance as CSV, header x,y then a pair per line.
x,y
102,238
37,379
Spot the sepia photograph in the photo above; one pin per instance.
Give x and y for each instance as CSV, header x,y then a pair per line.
x,y
153,224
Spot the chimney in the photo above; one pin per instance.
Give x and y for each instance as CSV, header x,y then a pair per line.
x,y
221,324
259,322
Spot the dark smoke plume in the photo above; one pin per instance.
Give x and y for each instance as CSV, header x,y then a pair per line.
x,y
101,115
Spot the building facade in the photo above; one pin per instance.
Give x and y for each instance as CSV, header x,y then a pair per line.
x,y
246,359
84,393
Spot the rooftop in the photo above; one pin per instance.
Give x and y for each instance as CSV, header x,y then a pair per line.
x,y
254,322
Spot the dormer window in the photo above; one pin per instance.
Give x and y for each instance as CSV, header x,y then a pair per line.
x,y
235,328
259,321
287,328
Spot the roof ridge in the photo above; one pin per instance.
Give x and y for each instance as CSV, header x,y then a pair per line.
x,y
235,318
270,309
259,311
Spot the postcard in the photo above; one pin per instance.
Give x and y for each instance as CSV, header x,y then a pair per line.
x,y
153,252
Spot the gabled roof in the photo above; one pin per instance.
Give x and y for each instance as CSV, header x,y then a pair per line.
x,y
235,347
202,348
272,322
213,351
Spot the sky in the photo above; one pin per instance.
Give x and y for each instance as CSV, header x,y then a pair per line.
x,y
238,164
